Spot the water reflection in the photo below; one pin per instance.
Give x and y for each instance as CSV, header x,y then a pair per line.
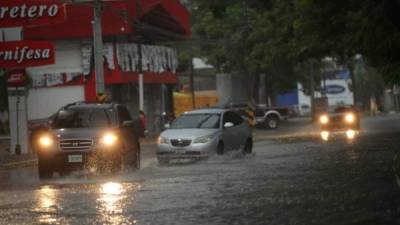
x,y
111,194
112,200
46,204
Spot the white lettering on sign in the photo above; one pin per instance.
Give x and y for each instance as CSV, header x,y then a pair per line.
x,y
53,10
21,54
31,11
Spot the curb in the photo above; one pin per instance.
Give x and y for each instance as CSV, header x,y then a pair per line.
x,y
25,163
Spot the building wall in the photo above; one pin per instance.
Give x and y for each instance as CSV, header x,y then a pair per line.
x,y
68,59
232,87
43,102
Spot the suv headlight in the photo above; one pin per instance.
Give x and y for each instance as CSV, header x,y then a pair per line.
x,y
109,139
203,140
162,140
46,141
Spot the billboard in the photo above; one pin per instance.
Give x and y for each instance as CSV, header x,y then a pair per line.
x,y
22,54
28,13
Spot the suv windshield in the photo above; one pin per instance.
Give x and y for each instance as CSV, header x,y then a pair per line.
x,y
81,118
191,121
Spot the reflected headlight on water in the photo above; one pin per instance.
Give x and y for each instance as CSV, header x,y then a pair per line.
x,y
351,134
325,135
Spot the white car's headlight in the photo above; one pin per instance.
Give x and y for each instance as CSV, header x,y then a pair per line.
x,y
162,140
109,139
202,140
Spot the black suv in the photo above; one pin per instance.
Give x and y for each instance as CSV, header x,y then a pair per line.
x,y
87,135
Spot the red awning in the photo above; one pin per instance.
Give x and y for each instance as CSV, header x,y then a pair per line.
x,y
118,19
169,14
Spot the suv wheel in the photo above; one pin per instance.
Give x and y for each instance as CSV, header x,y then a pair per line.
x,y
44,169
272,121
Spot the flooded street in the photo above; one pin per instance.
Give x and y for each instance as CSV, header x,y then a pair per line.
x,y
301,181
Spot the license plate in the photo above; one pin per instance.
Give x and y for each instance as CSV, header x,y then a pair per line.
x,y
180,160
180,151
75,158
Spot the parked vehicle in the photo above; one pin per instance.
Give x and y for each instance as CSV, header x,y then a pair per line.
x,y
199,133
269,116
272,116
87,135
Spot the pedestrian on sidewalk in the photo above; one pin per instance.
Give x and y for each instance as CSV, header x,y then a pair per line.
x,y
143,123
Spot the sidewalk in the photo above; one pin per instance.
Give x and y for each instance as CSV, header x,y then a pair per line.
x,y
8,160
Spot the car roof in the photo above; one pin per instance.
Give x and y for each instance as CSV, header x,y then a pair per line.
x,y
207,111
86,105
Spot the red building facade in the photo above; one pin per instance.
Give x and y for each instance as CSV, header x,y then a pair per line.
x,y
125,23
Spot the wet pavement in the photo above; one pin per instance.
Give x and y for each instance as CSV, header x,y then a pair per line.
x,y
296,181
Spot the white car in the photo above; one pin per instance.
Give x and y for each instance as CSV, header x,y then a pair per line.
x,y
199,133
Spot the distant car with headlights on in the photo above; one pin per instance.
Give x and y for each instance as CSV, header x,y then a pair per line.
x,y
199,133
342,120
85,135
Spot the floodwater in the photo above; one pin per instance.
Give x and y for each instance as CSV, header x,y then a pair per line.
x,y
303,181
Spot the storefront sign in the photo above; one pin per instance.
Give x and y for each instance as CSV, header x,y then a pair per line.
x,y
16,78
335,89
22,54
17,13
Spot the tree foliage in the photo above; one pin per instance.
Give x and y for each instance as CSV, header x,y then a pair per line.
x,y
345,28
251,36
276,36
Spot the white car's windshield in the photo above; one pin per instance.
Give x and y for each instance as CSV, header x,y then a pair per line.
x,y
191,121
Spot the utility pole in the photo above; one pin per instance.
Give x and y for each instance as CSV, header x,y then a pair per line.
x,y
353,83
17,145
312,89
141,84
98,48
140,53
191,80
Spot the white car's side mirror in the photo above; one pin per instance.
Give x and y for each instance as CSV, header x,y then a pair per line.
x,y
167,126
228,125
